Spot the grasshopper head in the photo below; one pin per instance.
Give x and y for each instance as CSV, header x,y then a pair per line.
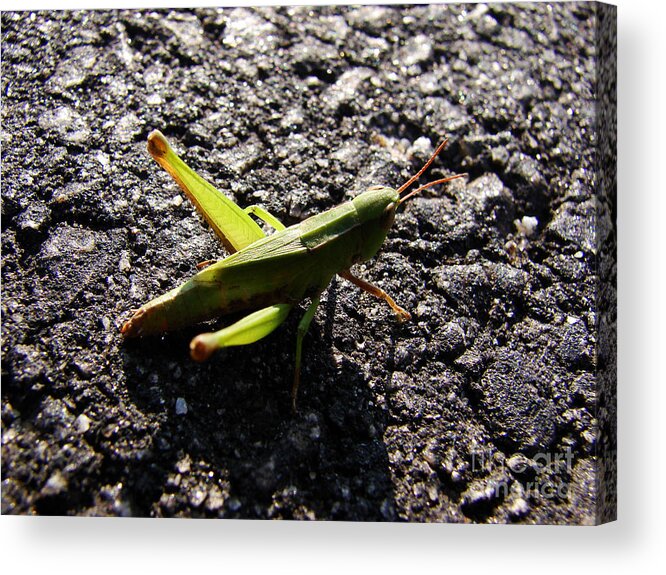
x,y
376,210
376,207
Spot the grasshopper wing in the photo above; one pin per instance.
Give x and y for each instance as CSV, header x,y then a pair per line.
x,y
235,228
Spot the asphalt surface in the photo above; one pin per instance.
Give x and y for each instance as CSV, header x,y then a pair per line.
x,y
485,407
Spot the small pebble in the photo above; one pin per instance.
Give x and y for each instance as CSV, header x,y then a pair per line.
x,y
82,423
519,508
124,264
181,406
57,483
527,226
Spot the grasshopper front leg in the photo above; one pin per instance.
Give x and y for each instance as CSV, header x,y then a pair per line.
x,y
403,315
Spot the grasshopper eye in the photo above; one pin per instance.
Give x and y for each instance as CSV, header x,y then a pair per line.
x,y
387,217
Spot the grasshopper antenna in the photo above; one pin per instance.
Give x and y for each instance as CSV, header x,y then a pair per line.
x,y
429,185
423,169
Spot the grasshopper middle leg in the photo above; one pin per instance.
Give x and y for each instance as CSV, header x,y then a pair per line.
x,y
303,327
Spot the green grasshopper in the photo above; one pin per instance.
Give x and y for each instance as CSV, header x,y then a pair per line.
x,y
269,275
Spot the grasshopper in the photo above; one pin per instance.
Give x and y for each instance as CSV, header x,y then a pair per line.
x,y
269,275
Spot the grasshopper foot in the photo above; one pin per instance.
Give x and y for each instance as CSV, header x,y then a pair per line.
x,y
402,314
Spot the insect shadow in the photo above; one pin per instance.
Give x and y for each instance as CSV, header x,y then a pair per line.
x,y
240,441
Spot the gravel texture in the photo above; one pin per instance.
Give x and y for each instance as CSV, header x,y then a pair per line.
x,y
483,408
